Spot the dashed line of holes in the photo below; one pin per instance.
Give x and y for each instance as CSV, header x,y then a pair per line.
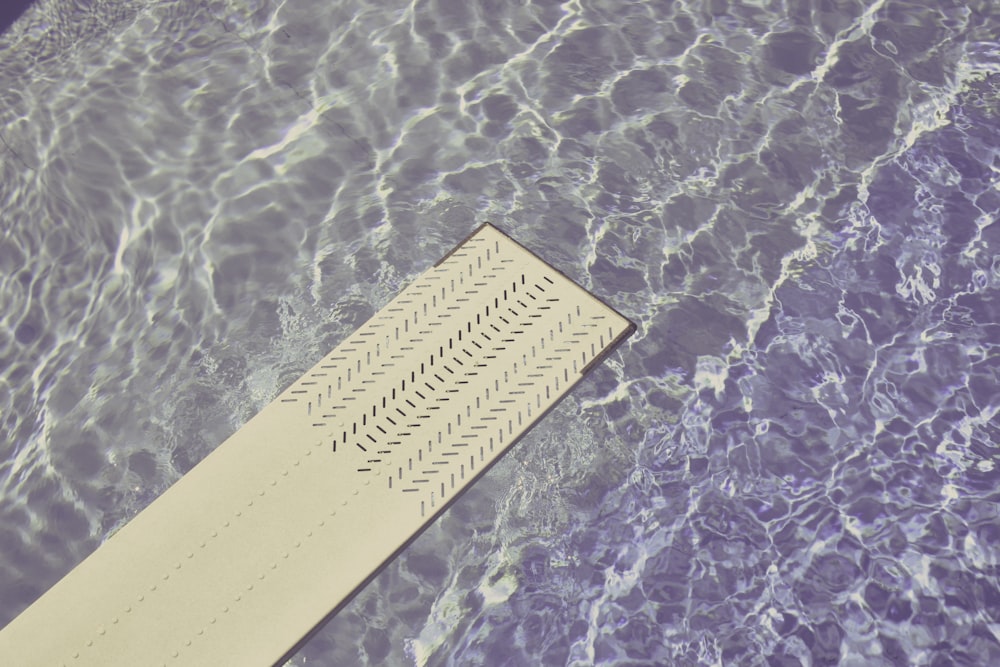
x,y
204,543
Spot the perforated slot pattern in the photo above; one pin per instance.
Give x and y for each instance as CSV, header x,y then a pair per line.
x,y
258,543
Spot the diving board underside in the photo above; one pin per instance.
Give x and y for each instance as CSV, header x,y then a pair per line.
x,y
239,560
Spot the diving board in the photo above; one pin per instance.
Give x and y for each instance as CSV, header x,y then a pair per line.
x,y
249,552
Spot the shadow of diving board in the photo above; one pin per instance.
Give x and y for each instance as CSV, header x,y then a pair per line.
x,y
242,558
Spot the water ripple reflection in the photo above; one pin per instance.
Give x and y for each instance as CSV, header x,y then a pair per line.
x,y
793,462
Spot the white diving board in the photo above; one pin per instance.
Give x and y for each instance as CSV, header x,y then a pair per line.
x,y
273,532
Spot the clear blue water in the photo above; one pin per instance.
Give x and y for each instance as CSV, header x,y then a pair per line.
x,y
793,462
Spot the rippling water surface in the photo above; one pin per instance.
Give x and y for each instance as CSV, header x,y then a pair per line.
x,y
795,460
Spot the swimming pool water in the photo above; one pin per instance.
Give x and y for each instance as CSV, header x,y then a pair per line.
x,y
794,461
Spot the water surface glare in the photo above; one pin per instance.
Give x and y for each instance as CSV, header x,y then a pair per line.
x,y
794,461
